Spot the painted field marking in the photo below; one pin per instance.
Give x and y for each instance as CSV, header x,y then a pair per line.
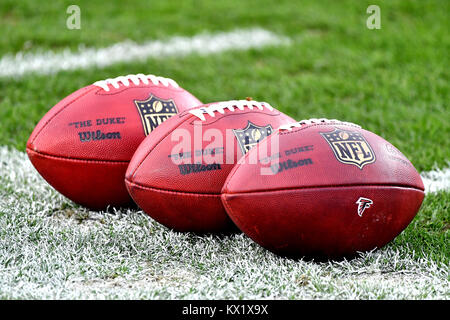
x,y
51,268
48,62
436,180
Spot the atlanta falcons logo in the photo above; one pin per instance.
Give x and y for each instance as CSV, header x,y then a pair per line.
x,y
363,204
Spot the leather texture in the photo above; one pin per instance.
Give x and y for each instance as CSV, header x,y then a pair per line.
x,y
190,201
309,204
83,145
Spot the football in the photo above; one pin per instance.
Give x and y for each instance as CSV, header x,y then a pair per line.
x,y
177,173
83,145
323,188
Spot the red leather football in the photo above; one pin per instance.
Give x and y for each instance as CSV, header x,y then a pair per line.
x,y
324,188
177,173
83,145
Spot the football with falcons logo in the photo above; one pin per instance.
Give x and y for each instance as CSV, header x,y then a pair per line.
x,y
83,145
177,173
325,188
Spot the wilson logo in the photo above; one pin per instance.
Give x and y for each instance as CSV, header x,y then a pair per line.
x,y
87,136
289,164
363,204
196,168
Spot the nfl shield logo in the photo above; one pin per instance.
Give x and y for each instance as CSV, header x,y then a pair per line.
x,y
155,111
251,135
350,147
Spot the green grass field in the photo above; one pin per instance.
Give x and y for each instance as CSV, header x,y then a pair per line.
x,y
393,81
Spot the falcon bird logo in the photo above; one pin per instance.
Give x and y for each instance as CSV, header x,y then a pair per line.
x,y
155,111
363,204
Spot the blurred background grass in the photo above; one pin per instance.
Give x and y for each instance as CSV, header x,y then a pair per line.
x,y
393,81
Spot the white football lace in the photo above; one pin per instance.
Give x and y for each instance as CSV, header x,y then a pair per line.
x,y
135,79
313,121
229,105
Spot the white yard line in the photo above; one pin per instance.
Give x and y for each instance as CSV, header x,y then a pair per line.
x,y
204,44
436,180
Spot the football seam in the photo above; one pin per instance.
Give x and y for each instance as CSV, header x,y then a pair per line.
x,y
139,186
136,87
316,124
326,187
219,117
58,112
77,159
230,212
